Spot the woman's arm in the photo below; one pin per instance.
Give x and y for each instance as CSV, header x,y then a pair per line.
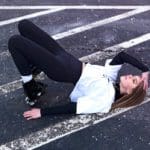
x,y
37,112
69,108
123,57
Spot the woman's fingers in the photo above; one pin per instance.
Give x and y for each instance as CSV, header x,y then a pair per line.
x,y
32,114
27,114
29,118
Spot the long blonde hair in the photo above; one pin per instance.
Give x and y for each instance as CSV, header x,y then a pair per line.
x,y
136,97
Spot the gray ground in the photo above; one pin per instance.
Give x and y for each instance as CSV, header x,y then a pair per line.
x,y
129,130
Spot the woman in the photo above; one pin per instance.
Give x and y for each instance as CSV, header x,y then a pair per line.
x,y
95,88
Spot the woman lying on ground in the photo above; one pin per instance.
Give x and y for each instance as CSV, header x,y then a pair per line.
x,y
95,88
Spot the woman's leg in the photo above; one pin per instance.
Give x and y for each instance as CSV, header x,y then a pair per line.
x,y
34,33
63,68
58,68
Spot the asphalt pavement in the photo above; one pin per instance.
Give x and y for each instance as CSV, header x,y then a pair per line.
x,y
81,31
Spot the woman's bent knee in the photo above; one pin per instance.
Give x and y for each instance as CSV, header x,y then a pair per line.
x,y
13,41
23,24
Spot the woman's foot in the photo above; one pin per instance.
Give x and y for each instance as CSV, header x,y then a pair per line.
x,y
33,90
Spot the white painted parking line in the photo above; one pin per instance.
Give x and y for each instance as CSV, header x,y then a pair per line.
x,y
100,23
127,44
51,133
78,120
97,56
124,7
33,15
136,41
85,27
79,29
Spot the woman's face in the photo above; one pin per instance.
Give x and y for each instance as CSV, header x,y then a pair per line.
x,y
129,82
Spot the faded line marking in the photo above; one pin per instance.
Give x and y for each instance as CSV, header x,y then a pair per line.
x,y
97,56
127,44
99,23
82,28
111,115
32,15
91,25
75,124
126,7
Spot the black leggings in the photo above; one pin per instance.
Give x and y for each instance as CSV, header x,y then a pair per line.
x,y
37,48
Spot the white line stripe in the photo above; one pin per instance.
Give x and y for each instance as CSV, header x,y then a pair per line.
x,y
33,15
136,41
86,126
127,44
38,139
99,23
97,56
3,147
88,26
82,28
94,123
125,7
78,29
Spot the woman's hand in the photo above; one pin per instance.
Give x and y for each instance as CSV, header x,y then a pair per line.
x,y
32,114
145,78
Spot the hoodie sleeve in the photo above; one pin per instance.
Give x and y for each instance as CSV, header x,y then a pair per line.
x,y
123,57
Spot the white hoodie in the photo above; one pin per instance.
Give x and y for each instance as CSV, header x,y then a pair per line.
x,y
94,91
